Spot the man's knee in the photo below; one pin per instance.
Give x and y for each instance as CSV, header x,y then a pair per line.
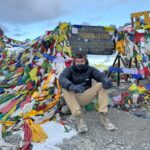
x,y
68,95
97,86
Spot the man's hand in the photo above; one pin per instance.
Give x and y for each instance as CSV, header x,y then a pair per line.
x,y
79,88
106,83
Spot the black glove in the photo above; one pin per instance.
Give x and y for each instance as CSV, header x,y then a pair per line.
x,y
79,88
106,83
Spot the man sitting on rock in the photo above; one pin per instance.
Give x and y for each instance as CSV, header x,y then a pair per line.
x,y
76,83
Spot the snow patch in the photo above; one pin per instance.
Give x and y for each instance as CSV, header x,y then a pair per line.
x,y
56,134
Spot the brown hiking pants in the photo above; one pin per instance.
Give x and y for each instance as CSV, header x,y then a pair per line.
x,y
76,100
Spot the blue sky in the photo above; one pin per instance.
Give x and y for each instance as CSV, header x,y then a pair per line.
x,y
21,19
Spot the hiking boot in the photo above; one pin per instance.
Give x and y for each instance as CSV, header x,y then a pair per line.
x,y
81,125
106,123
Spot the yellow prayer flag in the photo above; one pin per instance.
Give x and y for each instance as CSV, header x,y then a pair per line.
x,y
33,74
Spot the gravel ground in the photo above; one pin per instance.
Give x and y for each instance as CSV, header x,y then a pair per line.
x,y
132,133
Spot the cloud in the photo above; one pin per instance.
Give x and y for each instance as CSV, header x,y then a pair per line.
x,y
18,34
86,23
36,16
17,31
107,5
4,28
30,11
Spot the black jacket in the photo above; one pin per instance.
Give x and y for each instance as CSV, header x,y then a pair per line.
x,y
71,76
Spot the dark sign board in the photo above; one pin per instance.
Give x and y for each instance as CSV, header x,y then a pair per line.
x,y
91,39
